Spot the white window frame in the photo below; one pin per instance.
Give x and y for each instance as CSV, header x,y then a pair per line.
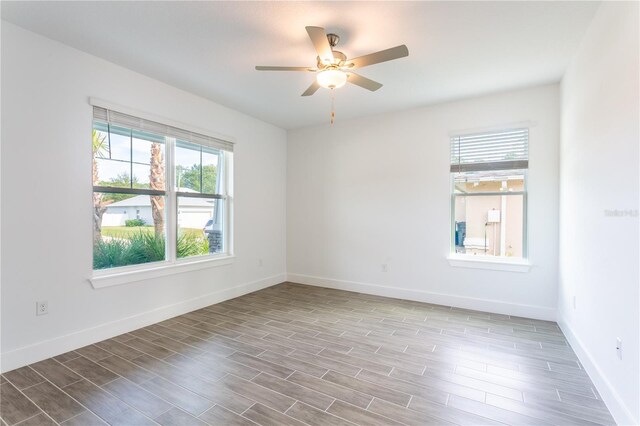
x,y
108,277
499,263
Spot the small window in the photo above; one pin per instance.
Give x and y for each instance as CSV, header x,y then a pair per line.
x,y
139,215
488,196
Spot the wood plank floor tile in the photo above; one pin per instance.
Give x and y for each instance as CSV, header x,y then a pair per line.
x,y
126,369
236,345
329,363
583,401
92,352
177,395
145,334
227,365
67,356
584,414
120,349
300,342
331,389
176,417
356,361
218,415
368,388
133,395
494,413
432,382
405,415
266,416
314,417
14,406
87,418
131,417
149,348
424,391
178,347
204,388
294,364
189,365
103,404
246,331
23,377
295,391
257,393
38,420
266,345
91,370
261,365
451,414
209,347
543,415
53,401
123,338
167,332
388,360
55,372
359,416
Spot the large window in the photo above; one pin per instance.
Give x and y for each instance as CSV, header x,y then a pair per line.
x,y
489,193
160,193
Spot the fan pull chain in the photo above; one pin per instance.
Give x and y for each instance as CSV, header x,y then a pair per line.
x,y
333,112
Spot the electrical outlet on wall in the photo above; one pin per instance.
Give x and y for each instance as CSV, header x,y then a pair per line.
x,y
42,308
619,347
260,263
384,267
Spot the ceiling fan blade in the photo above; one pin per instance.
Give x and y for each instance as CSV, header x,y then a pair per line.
x,y
312,89
269,68
319,39
381,56
361,81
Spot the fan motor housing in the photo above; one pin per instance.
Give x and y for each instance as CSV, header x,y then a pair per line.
x,y
338,59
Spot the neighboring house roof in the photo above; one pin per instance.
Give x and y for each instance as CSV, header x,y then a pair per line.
x,y
145,201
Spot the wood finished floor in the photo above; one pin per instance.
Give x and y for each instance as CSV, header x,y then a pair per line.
x,y
296,355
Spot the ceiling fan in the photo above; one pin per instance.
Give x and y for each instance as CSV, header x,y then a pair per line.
x,y
333,69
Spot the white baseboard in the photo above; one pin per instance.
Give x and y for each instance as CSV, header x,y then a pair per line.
x,y
486,305
619,410
59,345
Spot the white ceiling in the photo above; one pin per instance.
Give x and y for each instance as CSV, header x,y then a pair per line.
x,y
456,49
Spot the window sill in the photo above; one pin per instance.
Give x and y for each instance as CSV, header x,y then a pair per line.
x,y
482,262
102,279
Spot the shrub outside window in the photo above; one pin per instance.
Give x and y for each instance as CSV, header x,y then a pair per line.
x,y
489,194
160,194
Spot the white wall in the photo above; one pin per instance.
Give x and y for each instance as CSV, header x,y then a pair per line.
x,y
599,172
375,191
47,211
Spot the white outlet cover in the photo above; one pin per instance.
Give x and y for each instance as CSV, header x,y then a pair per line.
x,y
619,347
42,308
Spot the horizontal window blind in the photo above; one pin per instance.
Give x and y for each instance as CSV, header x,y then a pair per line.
x,y
508,149
141,124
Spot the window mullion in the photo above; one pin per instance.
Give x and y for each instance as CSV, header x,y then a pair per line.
x,y
171,210
131,160
229,201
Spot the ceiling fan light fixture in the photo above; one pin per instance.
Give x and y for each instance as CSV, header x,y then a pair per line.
x,y
331,78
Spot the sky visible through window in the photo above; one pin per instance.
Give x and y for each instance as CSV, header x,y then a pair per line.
x,y
115,165
126,154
